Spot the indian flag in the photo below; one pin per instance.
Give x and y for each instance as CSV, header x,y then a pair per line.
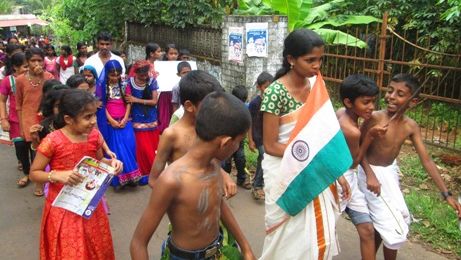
x,y
317,152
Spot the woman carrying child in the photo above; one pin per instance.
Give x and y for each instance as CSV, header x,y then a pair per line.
x,y
114,123
64,234
144,116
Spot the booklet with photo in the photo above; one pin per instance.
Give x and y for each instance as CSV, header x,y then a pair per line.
x,y
82,199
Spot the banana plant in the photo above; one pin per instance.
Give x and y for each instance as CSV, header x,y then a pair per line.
x,y
320,18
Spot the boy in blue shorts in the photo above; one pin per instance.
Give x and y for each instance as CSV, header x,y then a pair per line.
x,y
358,94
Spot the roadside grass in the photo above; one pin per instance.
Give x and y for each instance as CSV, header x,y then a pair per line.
x,y
435,222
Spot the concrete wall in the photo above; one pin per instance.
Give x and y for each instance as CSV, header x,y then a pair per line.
x,y
245,73
231,73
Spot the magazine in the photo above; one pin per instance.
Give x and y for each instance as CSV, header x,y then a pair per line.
x,y
82,199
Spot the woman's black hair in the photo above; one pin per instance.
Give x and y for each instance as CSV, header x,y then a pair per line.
x,y
48,47
34,51
52,84
67,49
73,102
75,80
48,101
17,60
10,48
168,47
80,45
298,43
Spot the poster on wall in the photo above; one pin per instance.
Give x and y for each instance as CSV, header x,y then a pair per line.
x,y
168,74
235,44
256,39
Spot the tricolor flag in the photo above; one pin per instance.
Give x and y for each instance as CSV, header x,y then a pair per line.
x,y
317,152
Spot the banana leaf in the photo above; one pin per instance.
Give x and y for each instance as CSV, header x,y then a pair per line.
x,y
320,12
341,20
290,8
335,37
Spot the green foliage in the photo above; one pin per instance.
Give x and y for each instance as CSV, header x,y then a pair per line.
x,y
437,23
251,157
310,14
6,6
410,166
81,20
454,11
436,221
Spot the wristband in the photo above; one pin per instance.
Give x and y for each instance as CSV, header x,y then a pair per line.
x,y
49,176
446,194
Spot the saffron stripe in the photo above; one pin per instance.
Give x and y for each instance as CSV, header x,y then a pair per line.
x,y
315,100
320,229
316,176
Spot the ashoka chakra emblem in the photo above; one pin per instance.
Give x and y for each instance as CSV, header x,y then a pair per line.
x,y
300,150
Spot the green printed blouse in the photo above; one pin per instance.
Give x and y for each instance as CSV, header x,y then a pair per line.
x,y
277,100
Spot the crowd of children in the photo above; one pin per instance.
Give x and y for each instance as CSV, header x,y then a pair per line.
x,y
58,109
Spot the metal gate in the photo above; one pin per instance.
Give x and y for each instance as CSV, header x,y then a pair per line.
x,y
390,53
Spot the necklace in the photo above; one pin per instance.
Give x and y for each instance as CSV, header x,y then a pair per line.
x,y
32,83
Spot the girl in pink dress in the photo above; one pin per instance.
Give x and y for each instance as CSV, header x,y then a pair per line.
x,y
50,61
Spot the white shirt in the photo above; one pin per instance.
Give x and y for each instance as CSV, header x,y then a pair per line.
x,y
69,71
96,62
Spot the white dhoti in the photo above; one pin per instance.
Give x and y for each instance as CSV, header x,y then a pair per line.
x,y
308,235
389,212
357,202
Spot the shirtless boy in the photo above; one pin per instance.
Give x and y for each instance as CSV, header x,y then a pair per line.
x,y
358,94
178,138
379,180
190,189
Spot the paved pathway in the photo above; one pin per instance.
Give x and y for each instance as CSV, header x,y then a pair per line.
x,y
20,215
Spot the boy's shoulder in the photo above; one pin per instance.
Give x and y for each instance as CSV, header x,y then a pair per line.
x,y
347,124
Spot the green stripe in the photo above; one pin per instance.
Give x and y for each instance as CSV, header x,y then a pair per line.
x,y
327,165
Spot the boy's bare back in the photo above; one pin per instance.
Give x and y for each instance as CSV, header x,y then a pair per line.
x,y
383,151
351,132
194,210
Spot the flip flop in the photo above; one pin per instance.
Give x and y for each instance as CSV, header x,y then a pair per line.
x,y
39,192
23,181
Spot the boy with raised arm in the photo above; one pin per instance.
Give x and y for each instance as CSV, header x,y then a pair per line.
x,y
378,176
178,138
358,94
190,189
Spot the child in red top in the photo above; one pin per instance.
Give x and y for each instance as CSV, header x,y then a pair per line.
x,y
65,235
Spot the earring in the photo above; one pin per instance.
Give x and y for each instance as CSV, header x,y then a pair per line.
x,y
291,65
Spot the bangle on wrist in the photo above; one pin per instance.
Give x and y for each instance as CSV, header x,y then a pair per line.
x,y
50,174
446,194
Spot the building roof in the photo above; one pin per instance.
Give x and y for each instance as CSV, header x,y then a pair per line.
x,y
20,20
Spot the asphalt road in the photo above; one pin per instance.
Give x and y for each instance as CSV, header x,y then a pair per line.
x,y
20,216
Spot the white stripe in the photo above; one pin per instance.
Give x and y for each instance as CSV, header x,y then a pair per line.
x,y
322,127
